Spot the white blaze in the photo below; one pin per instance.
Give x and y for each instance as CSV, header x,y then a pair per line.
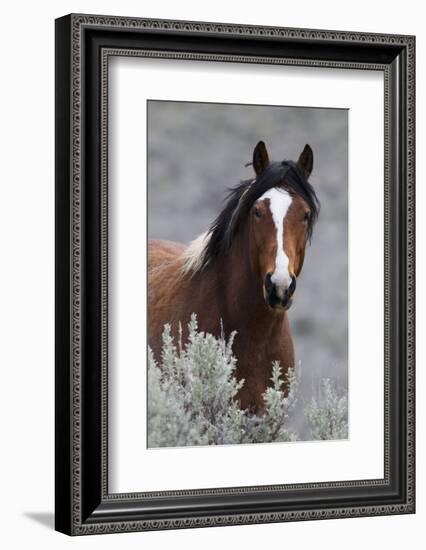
x,y
279,203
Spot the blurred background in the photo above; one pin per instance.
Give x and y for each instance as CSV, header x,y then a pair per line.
x,y
197,150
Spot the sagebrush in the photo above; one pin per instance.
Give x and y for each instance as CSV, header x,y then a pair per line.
x,y
191,398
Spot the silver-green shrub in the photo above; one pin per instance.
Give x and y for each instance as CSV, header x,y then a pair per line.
x,y
327,414
191,397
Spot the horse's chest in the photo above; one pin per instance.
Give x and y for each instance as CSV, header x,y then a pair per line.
x,y
258,350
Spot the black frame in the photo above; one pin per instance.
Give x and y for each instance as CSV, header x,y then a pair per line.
x,y
83,45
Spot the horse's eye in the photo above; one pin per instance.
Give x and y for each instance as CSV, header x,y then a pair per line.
x,y
307,217
257,213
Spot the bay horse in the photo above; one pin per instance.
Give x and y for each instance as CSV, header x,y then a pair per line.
x,y
242,272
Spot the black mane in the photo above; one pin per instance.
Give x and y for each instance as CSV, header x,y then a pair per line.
x,y
286,175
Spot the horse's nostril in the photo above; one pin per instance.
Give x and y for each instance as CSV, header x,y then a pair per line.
x,y
292,286
268,282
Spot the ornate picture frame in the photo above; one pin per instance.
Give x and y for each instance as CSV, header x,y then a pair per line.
x,y
84,45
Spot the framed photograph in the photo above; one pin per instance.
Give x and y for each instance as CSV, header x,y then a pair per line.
x,y
234,274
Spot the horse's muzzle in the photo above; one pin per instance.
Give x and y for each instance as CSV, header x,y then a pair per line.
x,y
276,298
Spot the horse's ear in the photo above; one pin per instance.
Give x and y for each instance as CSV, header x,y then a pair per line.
x,y
306,161
260,158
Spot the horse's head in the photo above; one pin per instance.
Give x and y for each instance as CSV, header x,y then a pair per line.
x,y
276,211
280,224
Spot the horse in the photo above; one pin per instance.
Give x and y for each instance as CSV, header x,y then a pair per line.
x,y
240,275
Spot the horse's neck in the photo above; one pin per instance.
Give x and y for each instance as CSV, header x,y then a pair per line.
x,y
231,283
